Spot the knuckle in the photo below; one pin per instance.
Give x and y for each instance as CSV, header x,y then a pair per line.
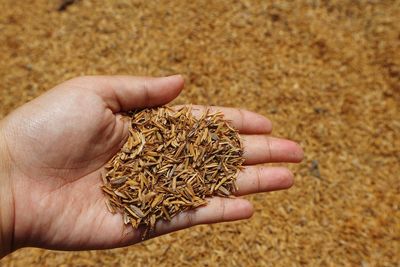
x,y
242,117
258,178
222,205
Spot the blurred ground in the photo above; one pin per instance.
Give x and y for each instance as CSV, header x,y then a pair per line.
x,y
327,73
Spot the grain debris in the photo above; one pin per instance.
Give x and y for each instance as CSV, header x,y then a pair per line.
x,y
171,163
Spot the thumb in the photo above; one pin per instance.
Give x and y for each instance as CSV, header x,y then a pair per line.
x,y
122,93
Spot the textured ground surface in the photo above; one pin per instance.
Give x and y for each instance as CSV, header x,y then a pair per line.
x,y
327,73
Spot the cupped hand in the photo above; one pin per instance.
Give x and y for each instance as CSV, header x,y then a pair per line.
x,y
57,145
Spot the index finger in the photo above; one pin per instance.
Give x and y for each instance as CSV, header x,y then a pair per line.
x,y
246,122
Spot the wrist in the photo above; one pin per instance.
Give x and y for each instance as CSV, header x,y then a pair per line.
x,y
6,200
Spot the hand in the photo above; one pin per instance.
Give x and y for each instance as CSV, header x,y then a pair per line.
x,y
56,145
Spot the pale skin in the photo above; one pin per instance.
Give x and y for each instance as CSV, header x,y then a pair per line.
x,y
53,149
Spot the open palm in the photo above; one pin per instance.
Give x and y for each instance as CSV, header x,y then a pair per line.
x,y
59,143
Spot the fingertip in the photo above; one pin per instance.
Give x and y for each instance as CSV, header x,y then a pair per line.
x,y
262,125
254,123
286,179
298,153
177,80
295,152
267,125
245,208
161,90
229,209
173,85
